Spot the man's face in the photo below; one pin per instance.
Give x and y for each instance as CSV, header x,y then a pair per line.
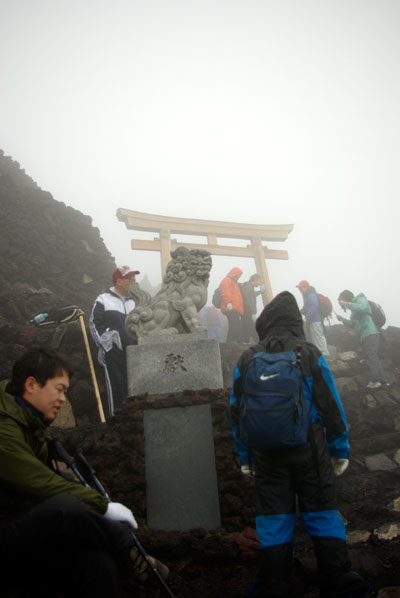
x,y
256,282
303,290
123,284
48,399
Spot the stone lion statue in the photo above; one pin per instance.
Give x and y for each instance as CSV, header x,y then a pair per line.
x,y
174,308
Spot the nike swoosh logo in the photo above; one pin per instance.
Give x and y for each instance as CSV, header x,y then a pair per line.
x,y
262,377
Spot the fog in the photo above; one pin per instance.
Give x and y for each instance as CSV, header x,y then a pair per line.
x,y
264,112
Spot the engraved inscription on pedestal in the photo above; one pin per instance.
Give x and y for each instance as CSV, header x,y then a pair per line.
x,y
180,364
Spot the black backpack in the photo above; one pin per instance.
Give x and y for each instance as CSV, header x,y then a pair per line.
x,y
377,314
274,412
216,298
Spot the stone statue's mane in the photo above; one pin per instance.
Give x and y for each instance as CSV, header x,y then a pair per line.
x,y
175,307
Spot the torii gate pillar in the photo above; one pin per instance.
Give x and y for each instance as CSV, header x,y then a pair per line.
x,y
212,229
165,248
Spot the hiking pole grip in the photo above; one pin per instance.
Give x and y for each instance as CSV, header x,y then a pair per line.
x,y
69,461
81,457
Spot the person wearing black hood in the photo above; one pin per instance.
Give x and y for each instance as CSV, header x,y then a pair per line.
x,y
304,472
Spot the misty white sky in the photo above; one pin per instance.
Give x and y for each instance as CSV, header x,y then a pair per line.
x,y
259,111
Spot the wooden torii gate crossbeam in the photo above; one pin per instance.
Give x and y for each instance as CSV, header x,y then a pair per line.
x,y
212,229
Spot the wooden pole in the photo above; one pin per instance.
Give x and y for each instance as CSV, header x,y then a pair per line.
x,y
165,242
94,379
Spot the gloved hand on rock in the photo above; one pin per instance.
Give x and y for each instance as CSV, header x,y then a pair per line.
x,y
339,465
245,469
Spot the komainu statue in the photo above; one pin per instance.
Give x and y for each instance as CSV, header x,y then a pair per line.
x,y
174,308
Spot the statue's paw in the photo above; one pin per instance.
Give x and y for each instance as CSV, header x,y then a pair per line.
x,y
179,305
133,319
146,315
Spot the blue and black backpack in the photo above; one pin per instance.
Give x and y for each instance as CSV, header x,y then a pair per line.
x,y
274,412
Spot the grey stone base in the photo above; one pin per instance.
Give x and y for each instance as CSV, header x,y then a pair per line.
x,y
181,477
174,365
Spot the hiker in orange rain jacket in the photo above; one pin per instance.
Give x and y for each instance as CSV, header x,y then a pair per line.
x,y
232,303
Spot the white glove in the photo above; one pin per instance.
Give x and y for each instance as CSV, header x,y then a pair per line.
x,y
246,470
110,338
262,287
339,465
117,512
229,306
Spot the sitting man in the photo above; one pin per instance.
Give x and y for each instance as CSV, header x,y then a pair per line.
x,y
83,540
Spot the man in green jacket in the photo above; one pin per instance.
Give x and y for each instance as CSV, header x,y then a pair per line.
x,y
361,321
82,539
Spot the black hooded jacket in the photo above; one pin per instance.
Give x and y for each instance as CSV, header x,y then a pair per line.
x,y
280,328
280,317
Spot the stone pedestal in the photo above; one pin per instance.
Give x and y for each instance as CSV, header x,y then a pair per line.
x,y
173,364
181,477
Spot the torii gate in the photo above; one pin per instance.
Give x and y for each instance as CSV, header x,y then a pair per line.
x,y
212,229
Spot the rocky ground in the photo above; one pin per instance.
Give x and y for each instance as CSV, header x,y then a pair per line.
x,y
51,256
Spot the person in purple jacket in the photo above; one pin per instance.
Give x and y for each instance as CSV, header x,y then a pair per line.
x,y
314,328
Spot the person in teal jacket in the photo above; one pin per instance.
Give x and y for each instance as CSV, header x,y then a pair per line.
x,y
362,323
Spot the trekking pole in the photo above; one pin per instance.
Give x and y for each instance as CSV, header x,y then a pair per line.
x,y
92,474
100,488
70,461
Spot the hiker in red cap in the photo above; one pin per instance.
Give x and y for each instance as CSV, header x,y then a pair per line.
x,y
313,326
107,325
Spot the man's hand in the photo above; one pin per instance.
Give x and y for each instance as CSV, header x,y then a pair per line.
x,y
339,465
340,318
118,512
229,306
